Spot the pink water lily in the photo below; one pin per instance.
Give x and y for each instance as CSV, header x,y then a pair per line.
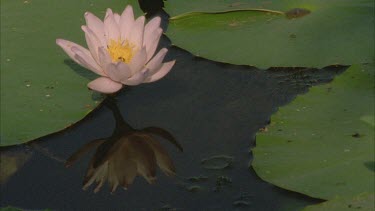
x,y
121,50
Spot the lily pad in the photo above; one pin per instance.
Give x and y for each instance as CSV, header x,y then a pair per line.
x,y
309,33
363,202
319,145
42,90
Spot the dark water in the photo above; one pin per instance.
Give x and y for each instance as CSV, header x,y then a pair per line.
x,y
210,108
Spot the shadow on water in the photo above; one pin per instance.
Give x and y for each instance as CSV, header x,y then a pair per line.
x,y
214,111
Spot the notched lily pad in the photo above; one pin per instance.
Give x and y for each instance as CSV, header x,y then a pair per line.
x,y
322,150
40,93
314,34
217,162
362,202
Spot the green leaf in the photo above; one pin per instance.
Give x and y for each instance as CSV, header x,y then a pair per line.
x,y
363,202
42,90
319,145
322,32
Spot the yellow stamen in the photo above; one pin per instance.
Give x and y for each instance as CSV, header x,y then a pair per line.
x,y
121,51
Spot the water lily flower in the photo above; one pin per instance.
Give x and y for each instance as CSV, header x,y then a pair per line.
x,y
121,50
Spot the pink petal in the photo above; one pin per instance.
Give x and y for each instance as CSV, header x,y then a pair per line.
x,y
104,58
136,79
152,41
155,63
87,60
92,42
97,26
117,18
118,71
152,25
111,28
138,61
136,33
165,68
67,47
126,22
104,85
152,29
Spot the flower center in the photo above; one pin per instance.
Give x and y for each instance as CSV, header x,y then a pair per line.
x,y
121,51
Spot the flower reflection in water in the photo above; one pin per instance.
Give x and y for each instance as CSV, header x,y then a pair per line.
x,y
126,154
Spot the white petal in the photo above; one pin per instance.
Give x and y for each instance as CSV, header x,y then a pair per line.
x,y
87,60
117,18
126,22
92,42
165,68
136,33
104,85
152,29
67,47
151,41
155,63
118,71
138,61
104,58
136,79
97,26
152,25
111,28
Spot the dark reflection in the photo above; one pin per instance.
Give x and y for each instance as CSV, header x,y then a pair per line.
x,y
125,154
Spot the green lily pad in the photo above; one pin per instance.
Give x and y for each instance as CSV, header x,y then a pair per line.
x,y
42,90
319,145
363,202
316,34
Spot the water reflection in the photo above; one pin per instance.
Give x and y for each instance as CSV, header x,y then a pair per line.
x,y
125,154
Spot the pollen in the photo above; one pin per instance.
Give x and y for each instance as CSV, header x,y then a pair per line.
x,y
121,51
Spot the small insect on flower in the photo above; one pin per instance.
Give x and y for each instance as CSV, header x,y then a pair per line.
x,y
121,50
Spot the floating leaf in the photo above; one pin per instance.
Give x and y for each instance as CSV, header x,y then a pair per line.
x,y
42,91
309,33
311,146
363,202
